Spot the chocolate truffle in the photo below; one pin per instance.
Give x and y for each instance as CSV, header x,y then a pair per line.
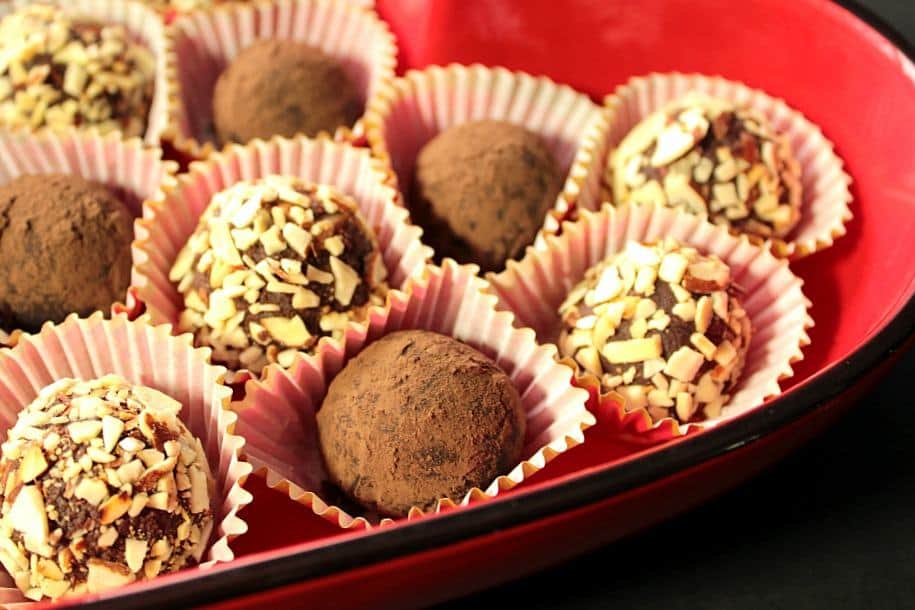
x,y
662,325
102,485
417,417
59,71
282,88
65,247
274,265
713,158
482,190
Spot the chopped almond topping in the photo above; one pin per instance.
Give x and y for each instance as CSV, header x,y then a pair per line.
x,y
712,158
125,453
633,350
633,340
278,246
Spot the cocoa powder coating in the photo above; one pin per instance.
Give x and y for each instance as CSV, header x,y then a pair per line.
x,y
282,88
481,191
417,417
64,247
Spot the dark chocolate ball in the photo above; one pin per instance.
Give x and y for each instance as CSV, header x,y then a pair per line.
x,y
282,88
417,417
65,247
481,191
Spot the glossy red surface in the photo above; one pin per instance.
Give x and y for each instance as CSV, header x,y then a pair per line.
x,y
816,55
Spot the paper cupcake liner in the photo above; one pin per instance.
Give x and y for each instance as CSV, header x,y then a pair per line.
x,y
173,9
533,288
143,24
277,415
415,108
136,173
826,200
86,348
205,42
169,222
632,427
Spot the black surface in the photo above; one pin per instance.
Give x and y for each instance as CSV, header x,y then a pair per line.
x,y
832,526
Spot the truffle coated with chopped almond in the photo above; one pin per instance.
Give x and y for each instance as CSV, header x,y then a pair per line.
x,y
712,158
60,71
417,417
662,325
274,265
100,484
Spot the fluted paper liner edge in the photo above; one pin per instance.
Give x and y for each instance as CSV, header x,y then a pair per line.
x,y
87,348
277,414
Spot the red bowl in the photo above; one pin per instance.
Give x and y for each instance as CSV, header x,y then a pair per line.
x,y
842,68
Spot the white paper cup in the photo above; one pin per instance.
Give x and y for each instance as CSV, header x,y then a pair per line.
x,y
169,222
172,9
277,415
206,41
143,24
533,288
826,197
423,103
134,172
88,348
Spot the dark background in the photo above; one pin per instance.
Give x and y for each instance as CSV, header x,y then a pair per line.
x,y
833,526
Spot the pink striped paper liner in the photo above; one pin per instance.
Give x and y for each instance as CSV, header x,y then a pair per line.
x,y
533,288
277,415
135,172
206,41
415,108
87,348
171,10
168,222
144,25
826,198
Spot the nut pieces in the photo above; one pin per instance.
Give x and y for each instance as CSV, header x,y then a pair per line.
x,y
59,72
714,159
90,489
662,325
273,266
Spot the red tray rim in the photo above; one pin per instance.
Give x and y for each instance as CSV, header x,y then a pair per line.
x,y
253,574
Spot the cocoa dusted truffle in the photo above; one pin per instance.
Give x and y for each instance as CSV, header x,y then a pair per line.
x,y
65,247
59,71
662,325
417,417
481,191
102,485
274,265
282,88
713,158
